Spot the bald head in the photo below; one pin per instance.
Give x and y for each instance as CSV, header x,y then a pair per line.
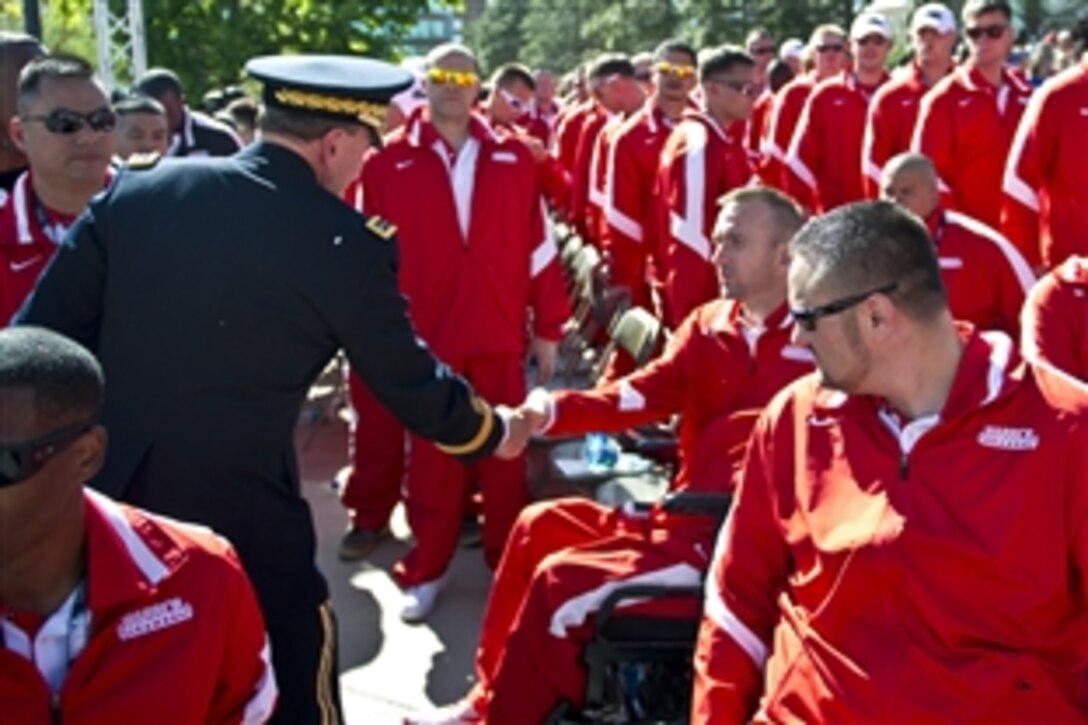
x,y
910,180
447,51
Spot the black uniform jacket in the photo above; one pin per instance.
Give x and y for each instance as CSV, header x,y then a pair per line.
x,y
214,291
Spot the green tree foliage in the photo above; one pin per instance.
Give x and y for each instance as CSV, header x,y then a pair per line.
x,y
207,42
562,33
496,34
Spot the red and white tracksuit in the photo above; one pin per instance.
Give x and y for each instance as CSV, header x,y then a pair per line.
x,y
889,128
568,131
789,102
26,244
472,266
586,195
874,569
985,278
699,163
1045,211
966,126
165,629
631,223
1055,320
756,129
823,163
565,556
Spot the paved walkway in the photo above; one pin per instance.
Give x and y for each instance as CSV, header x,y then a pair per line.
x,y
387,668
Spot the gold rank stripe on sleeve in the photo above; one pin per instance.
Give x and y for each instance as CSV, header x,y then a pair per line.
x,y
382,228
481,407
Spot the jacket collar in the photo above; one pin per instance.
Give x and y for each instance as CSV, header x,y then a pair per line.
x,y
128,553
990,369
701,116
420,132
971,78
731,318
24,205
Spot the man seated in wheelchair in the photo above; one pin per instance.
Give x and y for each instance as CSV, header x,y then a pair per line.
x,y
909,540
564,556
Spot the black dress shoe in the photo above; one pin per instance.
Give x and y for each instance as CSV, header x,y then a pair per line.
x,y
358,543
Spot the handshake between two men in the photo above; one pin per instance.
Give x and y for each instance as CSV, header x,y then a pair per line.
x,y
532,416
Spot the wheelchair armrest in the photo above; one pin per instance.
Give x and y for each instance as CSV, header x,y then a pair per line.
x,y
640,592
698,503
651,442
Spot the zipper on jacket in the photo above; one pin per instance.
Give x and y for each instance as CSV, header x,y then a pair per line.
x,y
904,466
55,714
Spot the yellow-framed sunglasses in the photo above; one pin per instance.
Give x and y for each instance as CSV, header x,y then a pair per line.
x,y
669,69
447,77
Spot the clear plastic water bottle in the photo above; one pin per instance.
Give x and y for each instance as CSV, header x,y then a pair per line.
x,y
599,452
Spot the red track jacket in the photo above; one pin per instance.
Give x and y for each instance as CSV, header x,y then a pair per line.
x,y
823,163
469,292
1045,210
699,163
631,222
1055,322
861,578
966,126
25,246
709,370
175,634
890,125
569,130
789,102
985,278
584,214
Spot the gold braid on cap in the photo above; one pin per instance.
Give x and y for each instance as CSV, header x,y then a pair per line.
x,y
363,110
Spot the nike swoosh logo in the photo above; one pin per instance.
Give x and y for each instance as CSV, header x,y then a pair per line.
x,y
24,264
965,102
401,165
817,421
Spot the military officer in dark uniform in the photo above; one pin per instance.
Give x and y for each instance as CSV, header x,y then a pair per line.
x,y
214,292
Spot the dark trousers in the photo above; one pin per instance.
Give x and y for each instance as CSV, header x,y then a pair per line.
x,y
305,660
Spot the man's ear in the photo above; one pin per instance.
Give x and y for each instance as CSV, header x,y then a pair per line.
x,y
331,143
15,133
880,315
92,452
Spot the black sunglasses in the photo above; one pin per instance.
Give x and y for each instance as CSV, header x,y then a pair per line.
x,y
66,123
808,317
993,32
830,48
20,461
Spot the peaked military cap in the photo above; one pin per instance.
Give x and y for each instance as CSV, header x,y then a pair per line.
x,y
339,87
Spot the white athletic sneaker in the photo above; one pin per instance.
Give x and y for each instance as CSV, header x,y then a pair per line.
x,y
459,713
418,601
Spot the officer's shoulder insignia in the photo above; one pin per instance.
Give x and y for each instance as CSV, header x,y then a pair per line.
x,y
381,228
140,162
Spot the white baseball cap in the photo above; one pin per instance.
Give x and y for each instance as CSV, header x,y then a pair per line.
x,y
791,48
935,16
868,23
